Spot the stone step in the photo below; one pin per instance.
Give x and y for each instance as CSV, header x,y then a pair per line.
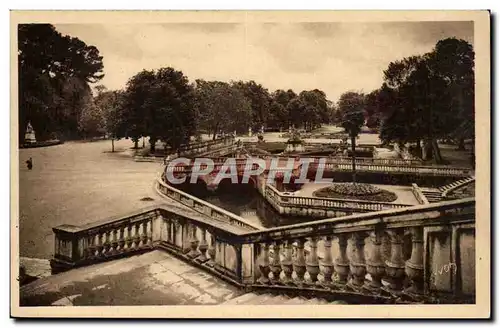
x,y
296,301
242,299
271,299
316,301
279,299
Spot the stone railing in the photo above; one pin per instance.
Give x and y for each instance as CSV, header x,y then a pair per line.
x,y
441,258
204,146
194,240
330,257
288,204
202,207
104,240
449,189
213,147
344,164
419,195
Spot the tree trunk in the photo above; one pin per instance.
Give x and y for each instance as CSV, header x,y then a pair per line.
x,y
427,150
461,144
112,144
418,149
152,143
353,155
136,143
143,145
436,153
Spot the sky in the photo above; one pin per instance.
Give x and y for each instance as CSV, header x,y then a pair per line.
x,y
333,57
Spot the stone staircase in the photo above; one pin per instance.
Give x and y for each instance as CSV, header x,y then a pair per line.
x,y
455,185
271,299
434,195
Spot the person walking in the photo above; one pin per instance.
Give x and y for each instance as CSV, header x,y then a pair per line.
x,y
29,163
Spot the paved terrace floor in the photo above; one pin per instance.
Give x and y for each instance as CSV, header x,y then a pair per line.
x,y
154,278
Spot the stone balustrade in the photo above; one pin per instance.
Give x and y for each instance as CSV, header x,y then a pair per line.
x,y
204,146
322,207
342,251
202,206
109,239
419,195
393,166
362,257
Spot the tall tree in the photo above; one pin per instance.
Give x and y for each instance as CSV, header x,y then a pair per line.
x,y
222,107
453,61
260,100
279,110
432,96
159,104
134,106
110,104
351,108
48,64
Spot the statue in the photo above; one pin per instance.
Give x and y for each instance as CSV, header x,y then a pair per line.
x,y
295,144
29,136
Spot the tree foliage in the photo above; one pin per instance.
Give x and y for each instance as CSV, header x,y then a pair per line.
x,y
159,104
54,73
222,107
351,111
429,97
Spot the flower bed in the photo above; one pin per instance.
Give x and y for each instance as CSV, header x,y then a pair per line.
x,y
361,191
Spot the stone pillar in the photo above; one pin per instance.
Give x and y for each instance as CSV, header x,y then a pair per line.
x,y
287,263
276,263
415,265
357,265
300,264
312,264
264,264
374,265
203,247
396,266
327,261
342,262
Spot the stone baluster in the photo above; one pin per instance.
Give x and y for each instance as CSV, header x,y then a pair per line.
x,y
149,233
90,251
203,247
136,236
312,261
287,263
140,230
105,243
211,251
167,228
98,245
395,269
357,265
327,261
128,238
193,242
121,240
276,263
299,266
263,264
374,265
113,242
415,265
342,261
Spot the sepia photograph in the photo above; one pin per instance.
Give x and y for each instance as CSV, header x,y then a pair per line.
x,y
247,164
